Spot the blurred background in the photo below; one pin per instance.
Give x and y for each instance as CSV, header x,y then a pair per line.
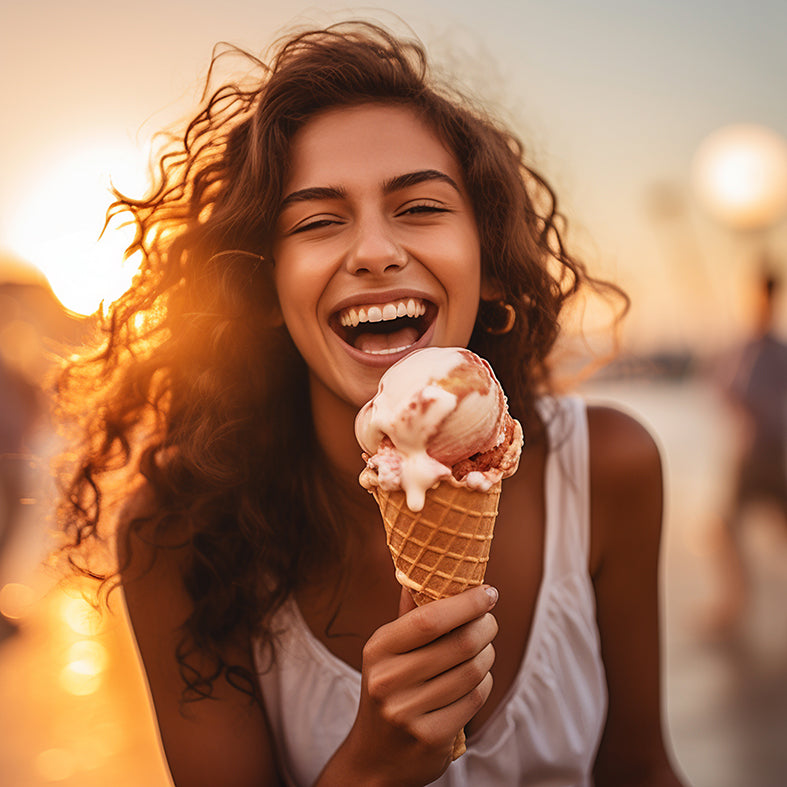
x,y
662,128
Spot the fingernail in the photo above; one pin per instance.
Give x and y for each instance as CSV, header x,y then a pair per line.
x,y
492,593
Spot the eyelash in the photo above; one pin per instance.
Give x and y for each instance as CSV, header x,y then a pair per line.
x,y
423,209
412,210
313,225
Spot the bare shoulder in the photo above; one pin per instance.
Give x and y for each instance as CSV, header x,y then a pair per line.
x,y
620,445
625,478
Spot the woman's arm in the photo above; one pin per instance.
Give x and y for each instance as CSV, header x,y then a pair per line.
x,y
626,517
219,741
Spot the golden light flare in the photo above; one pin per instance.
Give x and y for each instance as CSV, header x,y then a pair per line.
x,y
87,657
77,680
81,616
59,221
740,176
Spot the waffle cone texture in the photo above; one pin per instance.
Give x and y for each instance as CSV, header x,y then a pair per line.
x,y
442,549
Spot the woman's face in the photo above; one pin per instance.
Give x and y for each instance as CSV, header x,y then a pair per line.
x,y
377,250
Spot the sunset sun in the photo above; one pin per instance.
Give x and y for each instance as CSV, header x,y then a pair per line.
x,y
59,221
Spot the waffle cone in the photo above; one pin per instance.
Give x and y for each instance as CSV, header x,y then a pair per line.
x,y
442,549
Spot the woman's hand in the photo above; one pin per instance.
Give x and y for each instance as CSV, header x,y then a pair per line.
x,y
425,675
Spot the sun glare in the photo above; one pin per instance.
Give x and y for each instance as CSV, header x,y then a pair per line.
x,y
59,222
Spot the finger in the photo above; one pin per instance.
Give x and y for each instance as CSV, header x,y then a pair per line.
x,y
423,625
458,646
416,667
446,688
444,723
406,602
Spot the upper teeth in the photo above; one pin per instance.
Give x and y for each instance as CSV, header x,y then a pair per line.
x,y
412,307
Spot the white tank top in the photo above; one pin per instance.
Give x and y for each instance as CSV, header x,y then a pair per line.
x,y
547,728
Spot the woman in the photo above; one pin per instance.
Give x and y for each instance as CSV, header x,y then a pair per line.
x,y
277,644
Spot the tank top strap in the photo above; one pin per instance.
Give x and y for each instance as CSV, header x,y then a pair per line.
x,y
567,486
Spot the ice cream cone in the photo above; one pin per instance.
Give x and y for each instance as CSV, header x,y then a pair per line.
x,y
437,439
442,549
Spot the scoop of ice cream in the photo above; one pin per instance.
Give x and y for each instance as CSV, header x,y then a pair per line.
x,y
434,412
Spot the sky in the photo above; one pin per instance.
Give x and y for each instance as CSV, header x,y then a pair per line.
x,y
612,98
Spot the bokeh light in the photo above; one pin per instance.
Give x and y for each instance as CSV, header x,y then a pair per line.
x,y
87,657
81,616
740,176
16,599
76,680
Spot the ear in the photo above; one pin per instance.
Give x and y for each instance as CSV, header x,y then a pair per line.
x,y
273,308
491,289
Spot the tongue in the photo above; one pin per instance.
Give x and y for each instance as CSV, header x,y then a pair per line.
x,y
381,342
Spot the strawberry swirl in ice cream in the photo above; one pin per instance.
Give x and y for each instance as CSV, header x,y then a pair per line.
x,y
439,415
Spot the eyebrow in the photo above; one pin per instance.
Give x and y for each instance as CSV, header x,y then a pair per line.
x,y
414,178
396,183
313,193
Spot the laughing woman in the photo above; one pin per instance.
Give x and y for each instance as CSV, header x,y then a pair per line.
x,y
278,646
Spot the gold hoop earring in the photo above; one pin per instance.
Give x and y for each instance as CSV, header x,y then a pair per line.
x,y
509,321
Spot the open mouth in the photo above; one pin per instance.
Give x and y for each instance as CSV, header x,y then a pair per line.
x,y
384,328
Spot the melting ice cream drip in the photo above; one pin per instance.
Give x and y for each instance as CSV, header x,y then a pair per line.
x,y
435,408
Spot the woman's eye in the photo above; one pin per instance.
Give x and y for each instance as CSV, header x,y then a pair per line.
x,y
315,224
422,209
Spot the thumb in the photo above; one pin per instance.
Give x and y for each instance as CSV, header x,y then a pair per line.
x,y
406,603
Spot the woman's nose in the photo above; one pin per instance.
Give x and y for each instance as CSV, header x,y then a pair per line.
x,y
375,249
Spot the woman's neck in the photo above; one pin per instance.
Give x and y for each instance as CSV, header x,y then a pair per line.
x,y
334,429
334,422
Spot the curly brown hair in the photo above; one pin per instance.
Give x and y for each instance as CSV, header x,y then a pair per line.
x,y
195,387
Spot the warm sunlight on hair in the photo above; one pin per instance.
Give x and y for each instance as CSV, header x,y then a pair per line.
x,y
59,221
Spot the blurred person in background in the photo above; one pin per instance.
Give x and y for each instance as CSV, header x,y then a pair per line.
x,y
755,386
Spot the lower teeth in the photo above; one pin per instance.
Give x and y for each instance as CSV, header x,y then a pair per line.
x,y
386,344
389,351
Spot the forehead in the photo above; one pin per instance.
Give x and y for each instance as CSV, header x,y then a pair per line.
x,y
369,142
